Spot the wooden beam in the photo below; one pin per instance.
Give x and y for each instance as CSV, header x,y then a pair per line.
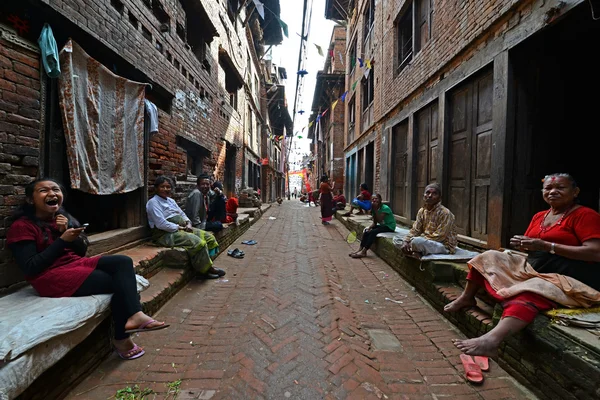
x,y
502,136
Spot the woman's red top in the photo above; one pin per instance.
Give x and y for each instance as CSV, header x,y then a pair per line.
x,y
325,188
68,271
578,226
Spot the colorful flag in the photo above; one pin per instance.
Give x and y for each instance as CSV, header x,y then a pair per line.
x,y
284,27
343,97
366,73
354,85
368,63
319,50
341,58
260,7
360,62
333,105
324,112
311,123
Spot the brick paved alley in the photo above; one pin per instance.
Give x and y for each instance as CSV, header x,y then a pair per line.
x,y
297,318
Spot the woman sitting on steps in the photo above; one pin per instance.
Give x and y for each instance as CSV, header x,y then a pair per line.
x,y
49,246
172,228
562,266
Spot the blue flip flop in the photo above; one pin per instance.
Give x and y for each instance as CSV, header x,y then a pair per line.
x,y
250,242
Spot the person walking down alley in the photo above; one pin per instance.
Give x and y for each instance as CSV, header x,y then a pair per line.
x,y
172,228
434,231
198,202
383,221
49,246
326,200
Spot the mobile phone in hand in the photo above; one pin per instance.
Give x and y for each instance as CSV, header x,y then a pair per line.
x,y
85,225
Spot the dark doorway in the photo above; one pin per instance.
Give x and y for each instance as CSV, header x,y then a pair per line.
x,y
556,91
230,154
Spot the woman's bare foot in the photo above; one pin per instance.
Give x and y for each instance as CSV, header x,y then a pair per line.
x,y
359,254
139,319
459,304
482,346
126,347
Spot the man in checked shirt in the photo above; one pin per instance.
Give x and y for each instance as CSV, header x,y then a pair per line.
x,y
433,231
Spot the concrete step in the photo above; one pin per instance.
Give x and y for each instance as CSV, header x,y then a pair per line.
x,y
163,286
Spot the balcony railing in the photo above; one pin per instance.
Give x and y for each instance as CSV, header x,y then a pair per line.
x,y
350,133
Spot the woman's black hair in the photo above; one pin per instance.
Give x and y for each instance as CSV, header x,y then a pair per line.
x,y
364,186
324,178
162,179
27,209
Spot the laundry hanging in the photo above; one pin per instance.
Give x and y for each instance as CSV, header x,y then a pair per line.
x,y
103,118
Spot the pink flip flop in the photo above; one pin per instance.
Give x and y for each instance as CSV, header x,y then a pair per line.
x,y
472,371
138,352
483,362
142,327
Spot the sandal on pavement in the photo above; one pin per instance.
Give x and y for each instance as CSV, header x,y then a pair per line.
x,y
235,253
483,362
144,327
357,255
219,272
136,350
250,242
472,371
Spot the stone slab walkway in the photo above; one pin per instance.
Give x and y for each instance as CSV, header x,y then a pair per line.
x,y
297,318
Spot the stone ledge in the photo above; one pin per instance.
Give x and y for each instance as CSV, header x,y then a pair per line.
x,y
554,361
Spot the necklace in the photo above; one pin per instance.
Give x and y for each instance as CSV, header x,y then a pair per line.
x,y
559,222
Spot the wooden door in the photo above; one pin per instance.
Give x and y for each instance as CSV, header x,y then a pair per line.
x,y
399,166
426,132
470,155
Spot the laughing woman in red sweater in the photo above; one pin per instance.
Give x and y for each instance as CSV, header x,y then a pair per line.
x,y
49,246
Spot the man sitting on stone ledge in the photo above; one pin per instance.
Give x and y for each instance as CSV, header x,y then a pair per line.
x,y
197,204
434,231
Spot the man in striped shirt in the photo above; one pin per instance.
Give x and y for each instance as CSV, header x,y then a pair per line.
x,y
433,231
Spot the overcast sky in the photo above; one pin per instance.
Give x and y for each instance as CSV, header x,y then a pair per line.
x,y
286,55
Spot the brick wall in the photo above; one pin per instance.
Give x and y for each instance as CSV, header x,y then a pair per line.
x,y
459,31
200,110
19,136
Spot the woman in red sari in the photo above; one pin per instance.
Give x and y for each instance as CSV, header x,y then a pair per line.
x,y
326,200
562,266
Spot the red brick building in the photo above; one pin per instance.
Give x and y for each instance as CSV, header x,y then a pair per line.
x,y
484,98
328,133
204,63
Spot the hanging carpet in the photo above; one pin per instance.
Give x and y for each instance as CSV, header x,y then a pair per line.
x,y
103,118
